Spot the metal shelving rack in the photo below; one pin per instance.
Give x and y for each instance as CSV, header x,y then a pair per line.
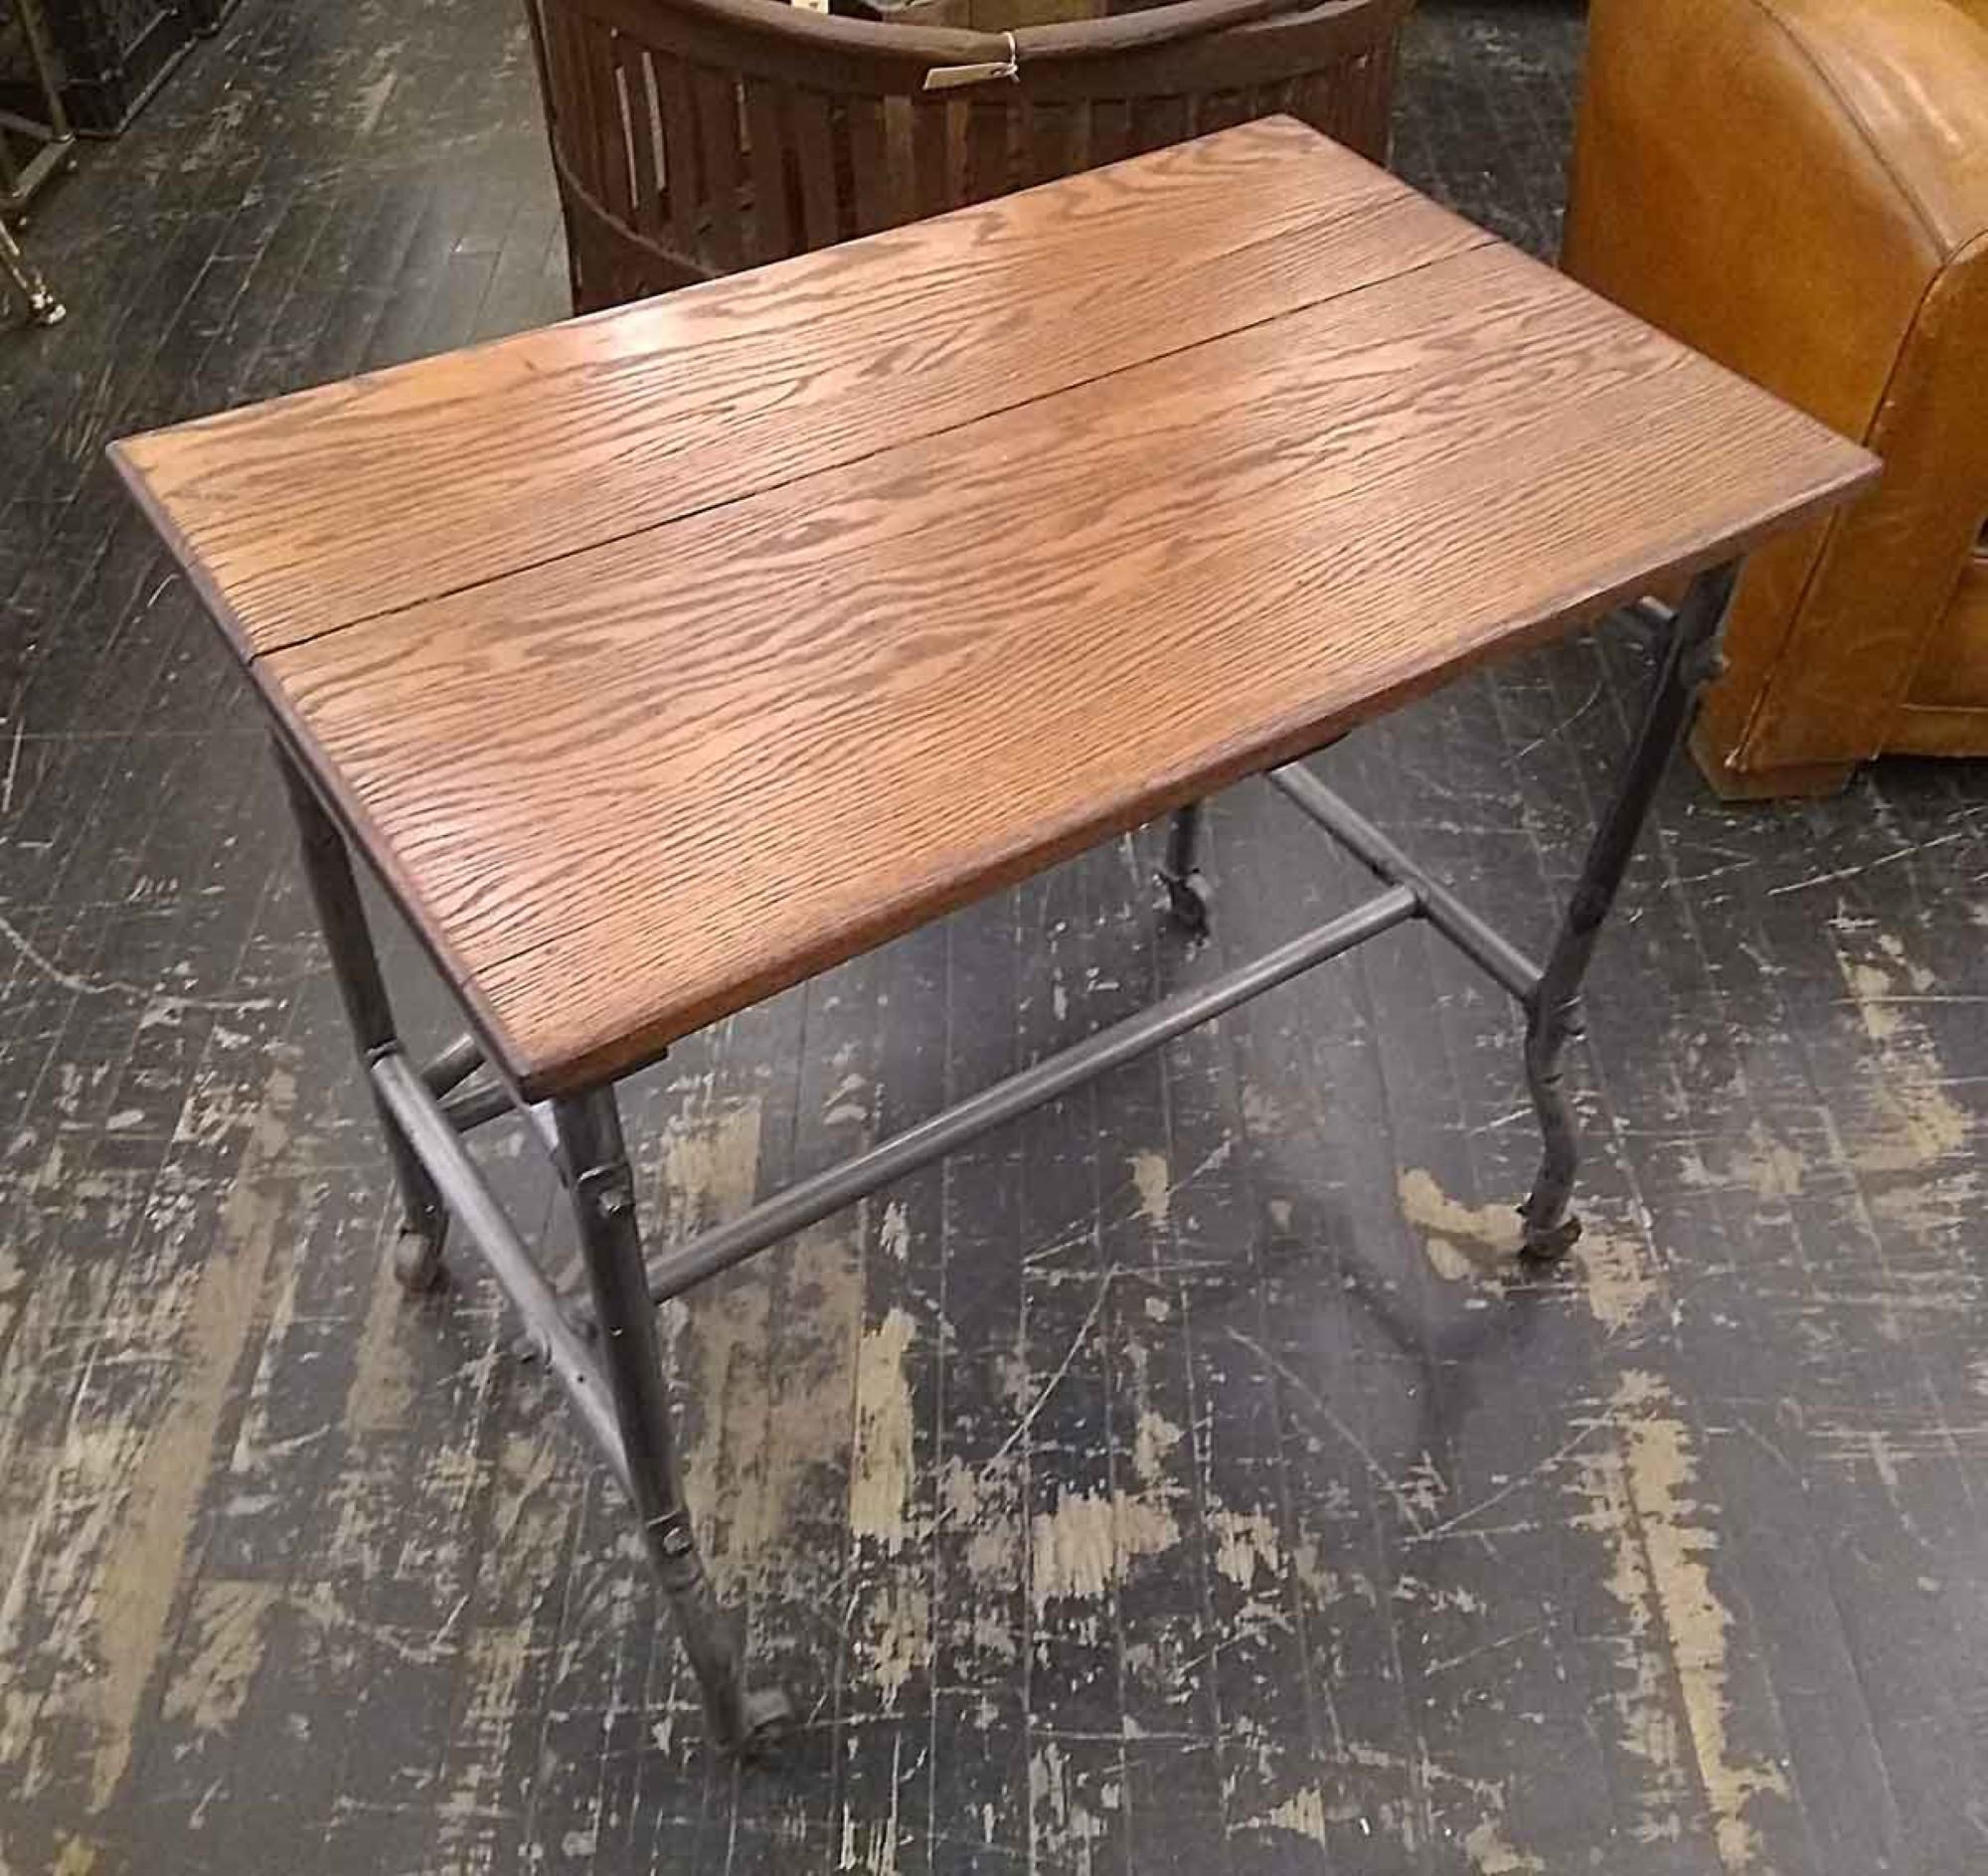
x,y
44,128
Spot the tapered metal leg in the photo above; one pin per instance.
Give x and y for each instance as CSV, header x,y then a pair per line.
x,y
603,1196
44,309
1188,896
1688,662
342,917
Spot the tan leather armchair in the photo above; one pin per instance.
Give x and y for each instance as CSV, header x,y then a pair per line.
x,y
1800,189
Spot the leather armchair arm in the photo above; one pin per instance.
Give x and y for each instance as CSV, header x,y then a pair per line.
x,y
1799,188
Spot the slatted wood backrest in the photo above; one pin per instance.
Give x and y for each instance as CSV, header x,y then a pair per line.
x,y
694,137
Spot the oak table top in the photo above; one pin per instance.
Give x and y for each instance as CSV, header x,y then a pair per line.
x,y
662,658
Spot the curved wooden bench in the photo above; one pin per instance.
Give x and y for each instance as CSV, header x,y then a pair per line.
x,y
694,137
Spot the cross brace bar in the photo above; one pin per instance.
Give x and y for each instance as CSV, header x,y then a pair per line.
x,y
1433,901
567,1353
804,1203
472,1108
475,1105
453,1065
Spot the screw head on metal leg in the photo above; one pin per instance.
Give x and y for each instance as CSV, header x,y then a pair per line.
x,y
610,1190
417,1264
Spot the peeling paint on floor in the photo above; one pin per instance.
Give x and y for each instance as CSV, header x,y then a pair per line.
x,y
1064,1831
1466,1243
139,1487
1634,1485
382,1374
1917,1122
1152,1179
880,1480
1492,1855
227,1629
1086,1543
1462,1240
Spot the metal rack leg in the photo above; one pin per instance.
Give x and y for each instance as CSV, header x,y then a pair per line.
x,y
1188,895
604,1197
342,917
1688,662
44,309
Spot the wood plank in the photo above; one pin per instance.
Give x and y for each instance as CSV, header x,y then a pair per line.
x,y
1110,130
932,166
718,137
683,192
334,504
641,786
607,114
1158,122
814,153
767,136
874,180
988,171
1050,133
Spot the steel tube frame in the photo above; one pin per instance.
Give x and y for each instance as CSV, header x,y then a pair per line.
x,y
566,1350
804,1203
475,1106
44,308
1180,874
615,1380
341,916
1385,861
54,135
603,1194
1688,658
453,1065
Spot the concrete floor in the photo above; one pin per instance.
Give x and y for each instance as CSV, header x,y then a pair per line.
x,y
1183,1480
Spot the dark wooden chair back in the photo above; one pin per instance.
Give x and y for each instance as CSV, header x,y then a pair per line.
x,y
694,137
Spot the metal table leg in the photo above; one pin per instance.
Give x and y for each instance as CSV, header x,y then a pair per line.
x,y
1187,889
341,916
604,1197
44,309
1688,662
616,1380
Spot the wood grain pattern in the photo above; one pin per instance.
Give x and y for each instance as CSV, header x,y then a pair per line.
x,y
633,789
335,504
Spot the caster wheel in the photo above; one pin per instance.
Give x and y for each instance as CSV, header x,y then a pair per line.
x,y
418,1261
1549,1247
767,1715
1190,902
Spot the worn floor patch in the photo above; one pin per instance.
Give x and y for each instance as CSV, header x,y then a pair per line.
x,y
1465,1243
1674,1629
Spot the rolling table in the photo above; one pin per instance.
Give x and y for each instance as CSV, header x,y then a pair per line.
x,y
658,660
